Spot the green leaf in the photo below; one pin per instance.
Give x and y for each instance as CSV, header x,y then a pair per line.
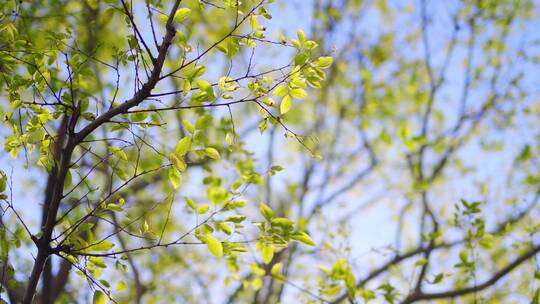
x,y
188,126
268,101
203,122
205,86
114,207
236,218
181,14
121,285
253,22
197,71
438,278
3,181
301,58
267,253
99,297
119,153
174,177
281,90
101,246
285,105
303,237
183,146
266,211
212,153
282,222
324,62
186,87
301,36
298,93
203,208
276,271
214,245
421,262
190,203
229,139
224,227
163,18
178,162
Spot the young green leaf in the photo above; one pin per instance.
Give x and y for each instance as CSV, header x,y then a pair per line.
x,y
298,93
99,297
229,139
267,253
101,246
276,271
266,211
324,62
268,101
119,153
203,208
188,126
301,36
121,285
212,153
183,146
178,162
181,14
174,177
303,237
163,18
214,245
421,262
190,203
285,105
281,90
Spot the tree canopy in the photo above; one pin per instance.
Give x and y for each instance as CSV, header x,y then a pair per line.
x,y
267,151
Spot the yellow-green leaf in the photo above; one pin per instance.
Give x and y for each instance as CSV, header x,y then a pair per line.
x,y
202,208
99,297
183,145
119,153
174,177
190,203
253,22
101,246
181,14
214,245
281,90
268,101
276,271
163,18
285,105
266,211
229,139
301,36
303,237
121,285
212,153
298,93
267,253
178,162
324,62
188,126
224,227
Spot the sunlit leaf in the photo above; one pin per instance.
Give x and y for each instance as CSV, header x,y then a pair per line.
x,y
181,14
214,245
285,105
